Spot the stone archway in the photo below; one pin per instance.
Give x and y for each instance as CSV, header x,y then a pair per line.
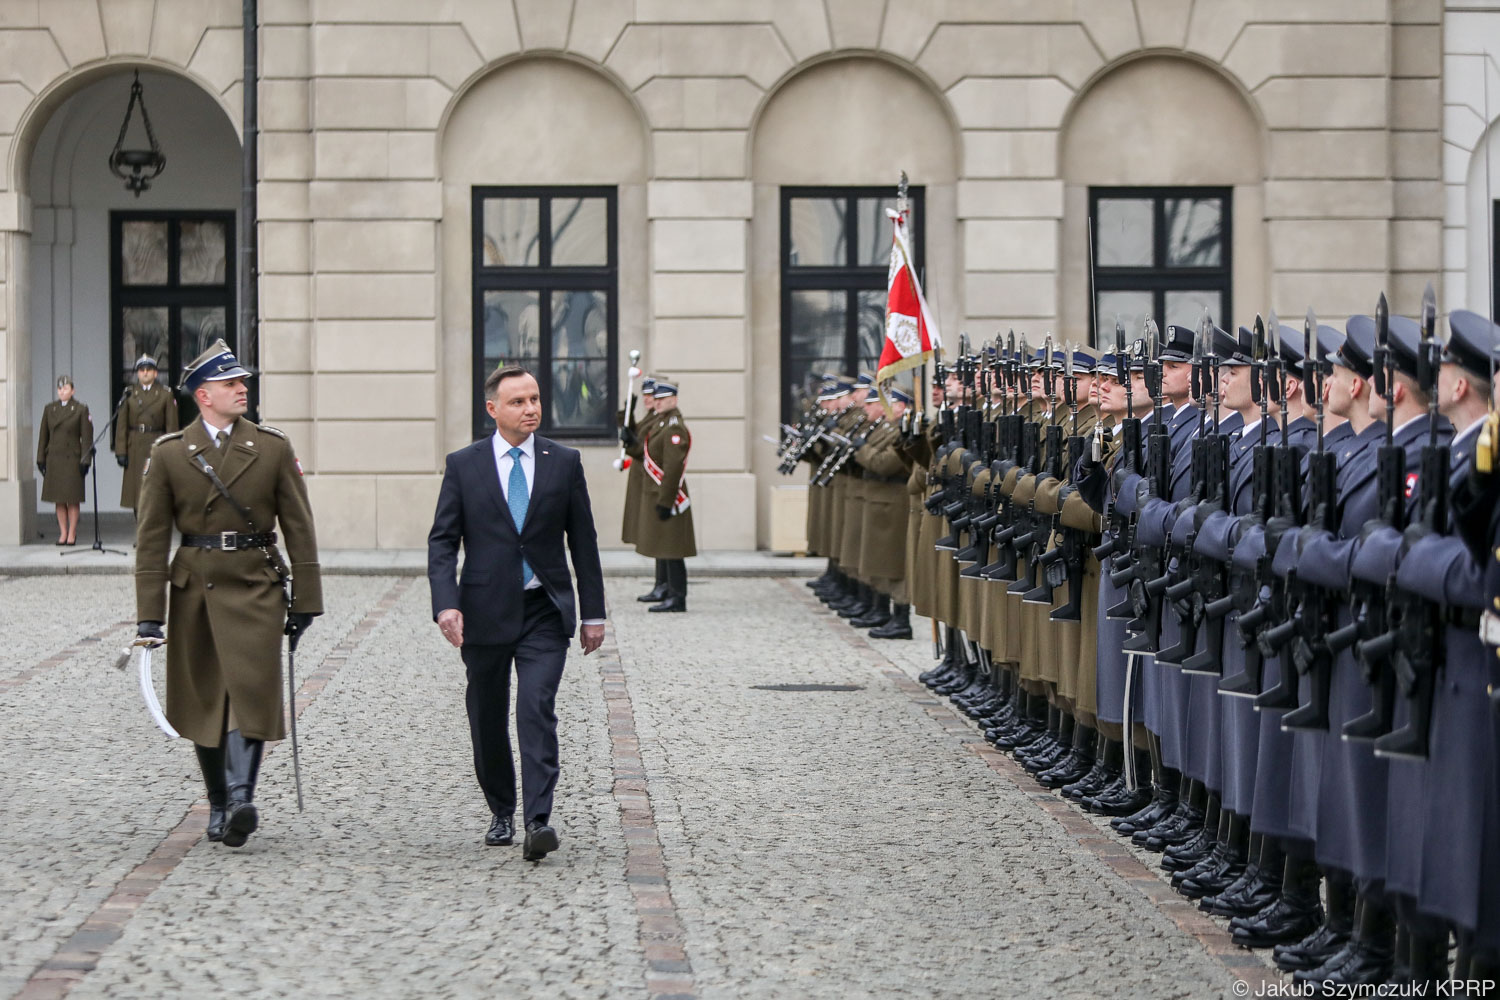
x,y
66,312
1162,121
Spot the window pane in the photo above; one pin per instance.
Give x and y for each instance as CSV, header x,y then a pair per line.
x,y
818,324
875,231
818,234
871,324
1186,308
145,333
580,393
580,232
580,324
1131,308
1195,232
143,253
511,236
200,253
1124,232
201,326
512,327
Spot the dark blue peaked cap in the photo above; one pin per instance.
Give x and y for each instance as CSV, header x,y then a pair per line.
x,y
217,364
1473,342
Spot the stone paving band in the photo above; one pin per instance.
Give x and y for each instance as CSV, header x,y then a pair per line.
x,y
1238,592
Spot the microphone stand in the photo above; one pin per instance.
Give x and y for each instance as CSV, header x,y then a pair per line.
x,y
98,545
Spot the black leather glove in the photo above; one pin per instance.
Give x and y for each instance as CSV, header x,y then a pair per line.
x,y
149,630
663,513
122,460
628,438
297,623
41,467
83,468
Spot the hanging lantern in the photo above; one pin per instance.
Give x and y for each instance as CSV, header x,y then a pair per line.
x,y
143,165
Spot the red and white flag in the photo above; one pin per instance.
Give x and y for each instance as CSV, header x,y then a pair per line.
x,y
911,333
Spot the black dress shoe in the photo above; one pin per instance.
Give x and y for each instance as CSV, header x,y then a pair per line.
x,y
541,840
657,595
672,603
502,832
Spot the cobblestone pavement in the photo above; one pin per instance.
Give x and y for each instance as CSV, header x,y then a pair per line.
x,y
720,839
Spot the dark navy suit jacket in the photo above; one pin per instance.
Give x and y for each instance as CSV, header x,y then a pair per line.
x,y
471,510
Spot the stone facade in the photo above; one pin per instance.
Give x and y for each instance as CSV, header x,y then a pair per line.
x,y
377,116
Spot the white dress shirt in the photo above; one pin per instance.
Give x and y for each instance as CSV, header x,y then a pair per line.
x,y
214,432
503,464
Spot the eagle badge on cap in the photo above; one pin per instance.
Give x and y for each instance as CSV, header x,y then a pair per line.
x,y
677,439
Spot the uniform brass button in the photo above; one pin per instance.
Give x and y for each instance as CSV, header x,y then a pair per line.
x,y
209,586
1497,604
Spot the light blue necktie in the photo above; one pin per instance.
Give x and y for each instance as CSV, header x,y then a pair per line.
x,y
518,499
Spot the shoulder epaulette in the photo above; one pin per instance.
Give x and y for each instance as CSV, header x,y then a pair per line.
x,y
173,436
673,421
273,430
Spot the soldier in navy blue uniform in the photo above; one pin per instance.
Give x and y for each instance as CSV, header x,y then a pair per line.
x,y
1433,871
1354,827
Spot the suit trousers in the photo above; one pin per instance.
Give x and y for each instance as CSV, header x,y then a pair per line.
x,y
538,656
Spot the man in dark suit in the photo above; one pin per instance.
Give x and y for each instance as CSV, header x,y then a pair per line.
x,y
510,499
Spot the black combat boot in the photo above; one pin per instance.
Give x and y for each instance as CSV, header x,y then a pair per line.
x,y
1421,953
1294,915
947,666
1371,952
1182,822
241,770
1232,860
1331,936
1043,756
1109,759
879,613
676,599
1164,784
1046,743
1078,762
1120,799
816,582
1193,846
658,592
897,626
211,763
863,603
1257,888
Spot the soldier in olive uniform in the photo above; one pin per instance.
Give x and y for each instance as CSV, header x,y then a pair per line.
x,y
632,433
882,553
225,482
65,445
664,529
146,413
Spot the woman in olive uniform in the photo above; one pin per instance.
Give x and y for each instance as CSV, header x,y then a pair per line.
x,y
664,529
64,448
148,412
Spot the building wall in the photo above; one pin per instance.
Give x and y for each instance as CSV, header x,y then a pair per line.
x,y
377,115
1471,153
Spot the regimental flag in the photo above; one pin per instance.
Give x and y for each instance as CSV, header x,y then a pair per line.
x,y
911,334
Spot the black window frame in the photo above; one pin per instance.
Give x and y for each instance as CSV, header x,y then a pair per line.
x,y
850,278
545,279
172,296
1159,279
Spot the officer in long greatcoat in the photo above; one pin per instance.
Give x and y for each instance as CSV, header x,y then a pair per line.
x,y
146,413
633,433
225,483
664,529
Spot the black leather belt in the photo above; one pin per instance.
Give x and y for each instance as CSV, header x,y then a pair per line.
x,y
230,541
148,430
1464,618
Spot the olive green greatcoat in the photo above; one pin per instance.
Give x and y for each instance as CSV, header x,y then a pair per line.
x,y
853,519
635,477
64,442
917,576
145,415
224,611
667,446
882,553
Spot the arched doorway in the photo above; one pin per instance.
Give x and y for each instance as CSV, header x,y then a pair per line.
x,y
826,151
112,275
1152,134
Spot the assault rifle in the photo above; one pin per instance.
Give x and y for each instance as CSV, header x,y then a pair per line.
x,y
1422,639
1151,580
